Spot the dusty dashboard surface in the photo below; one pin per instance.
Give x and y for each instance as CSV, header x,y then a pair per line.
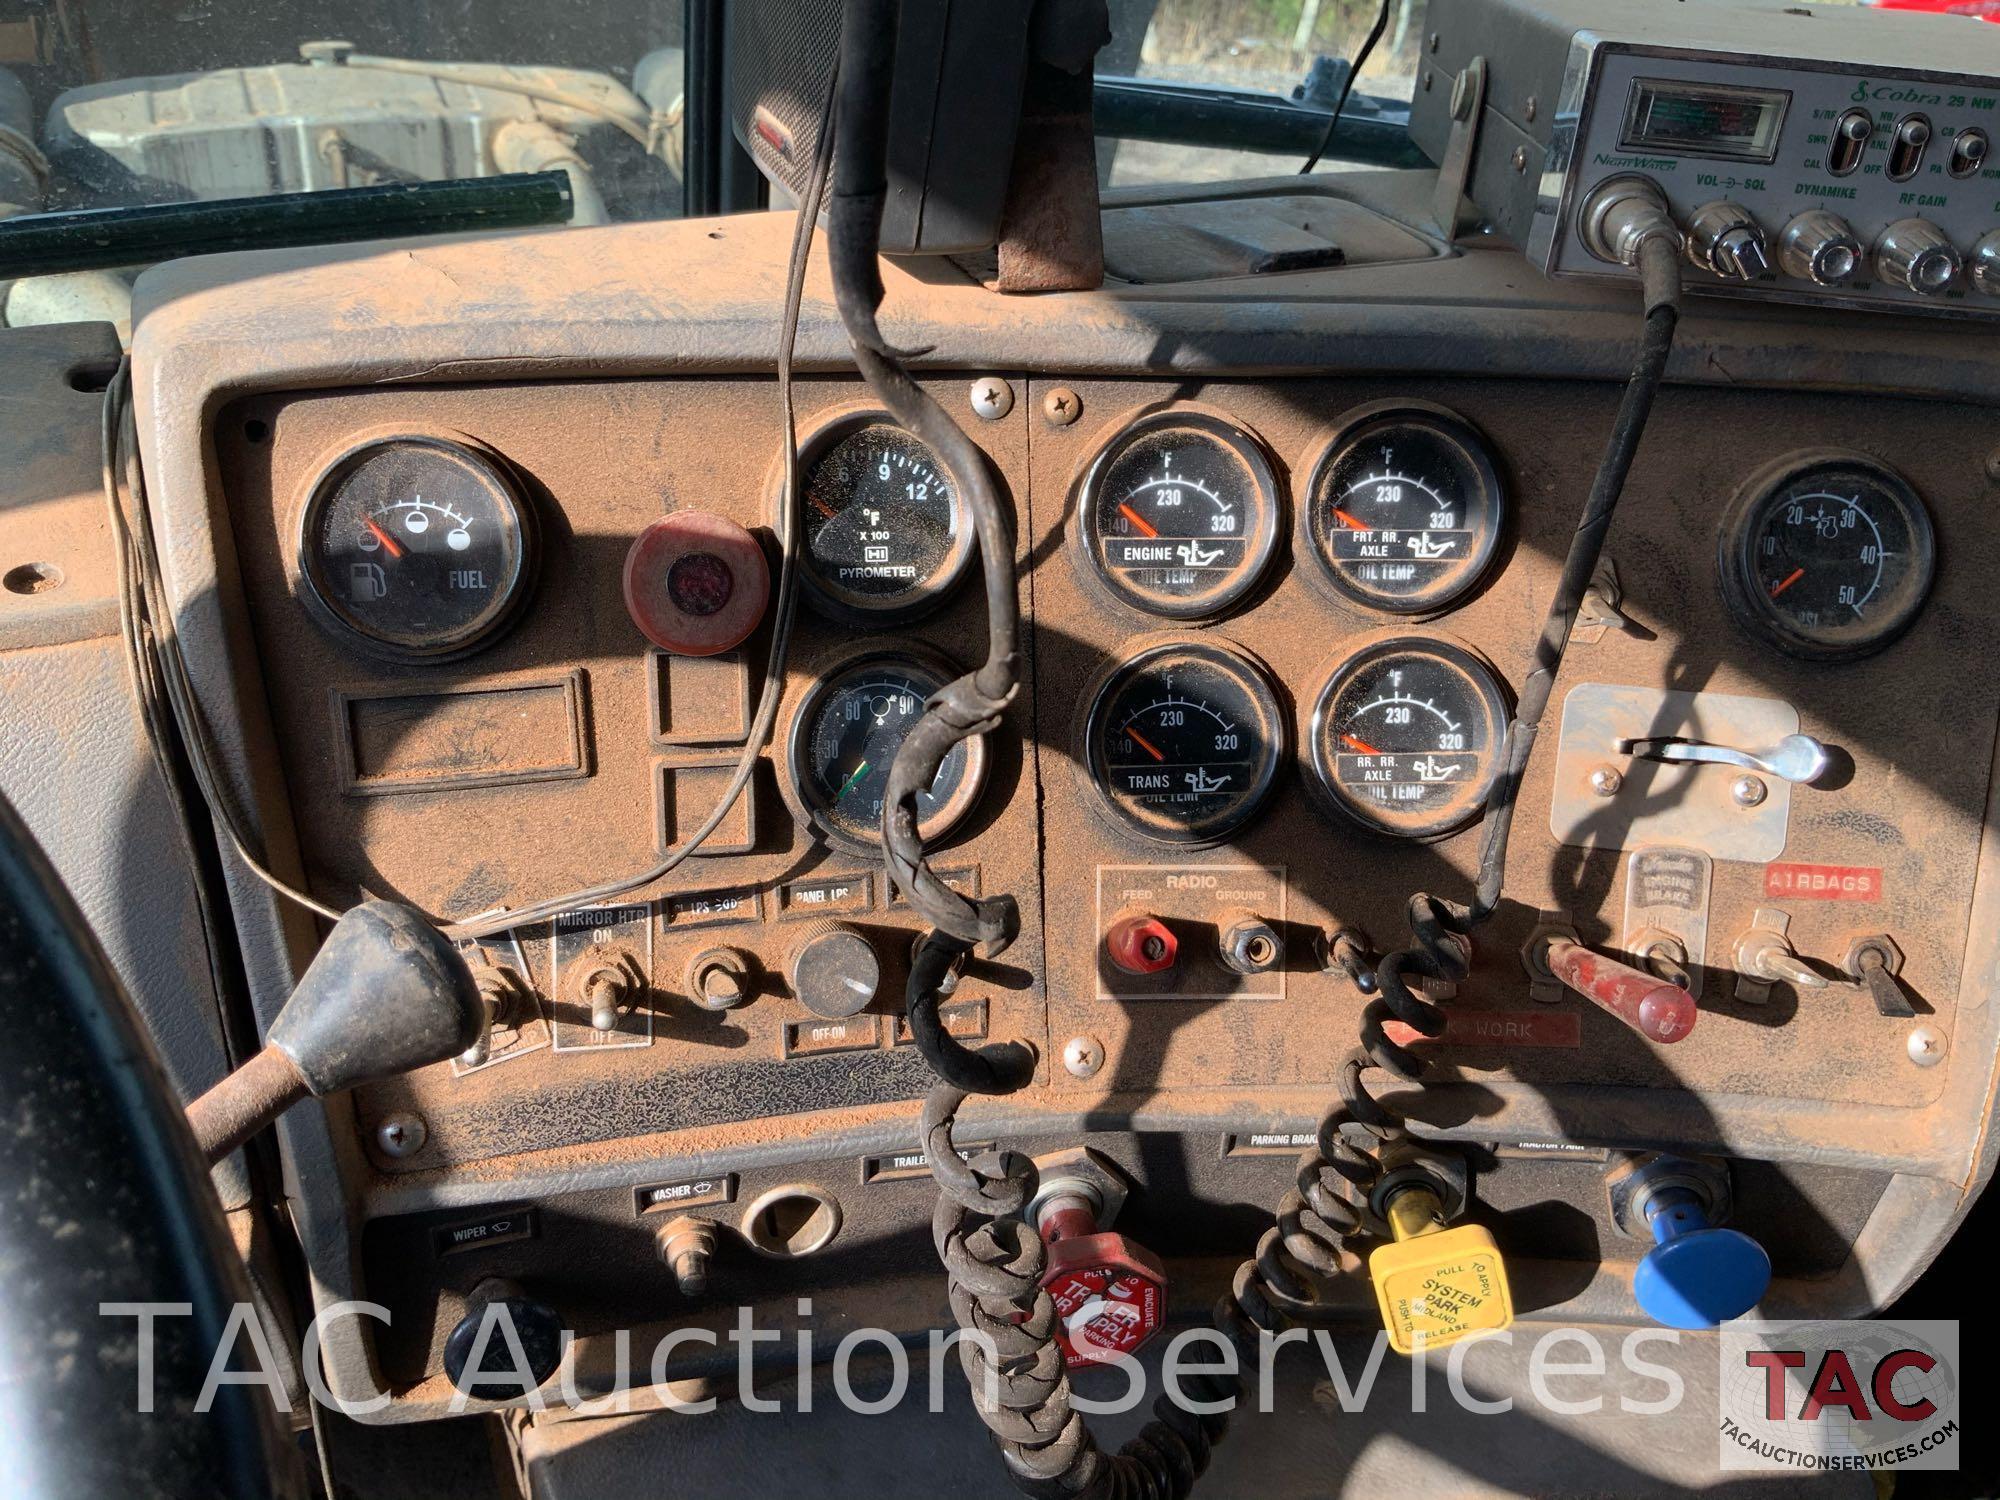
x,y
1282,564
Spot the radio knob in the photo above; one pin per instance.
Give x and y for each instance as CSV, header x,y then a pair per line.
x,y
1986,265
1915,255
1724,237
1819,247
835,971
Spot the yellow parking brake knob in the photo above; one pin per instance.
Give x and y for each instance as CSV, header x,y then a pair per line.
x,y
1437,1285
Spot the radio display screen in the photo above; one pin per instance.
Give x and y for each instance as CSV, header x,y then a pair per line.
x,y
1740,124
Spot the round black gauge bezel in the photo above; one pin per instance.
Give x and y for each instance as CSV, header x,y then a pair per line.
x,y
1105,687
1736,565
325,609
1358,424
798,750
866,610
1261,540
1495,697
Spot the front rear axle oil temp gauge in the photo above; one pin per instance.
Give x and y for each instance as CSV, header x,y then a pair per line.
x,y
1827,556
1405,508
1178,515
1184,741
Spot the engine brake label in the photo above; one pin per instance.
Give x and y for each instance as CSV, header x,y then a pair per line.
x,y
1822,882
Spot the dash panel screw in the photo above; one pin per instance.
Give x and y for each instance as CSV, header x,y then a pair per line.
x,y
992,398
1083,1056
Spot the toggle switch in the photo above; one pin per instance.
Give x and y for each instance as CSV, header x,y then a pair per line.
x,y
1876,961
1764,957
1658,1009
1142,944
502,992
1698,1274
606,980
1110,1292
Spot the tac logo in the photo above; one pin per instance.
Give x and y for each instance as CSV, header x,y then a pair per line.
x,y
1831,1396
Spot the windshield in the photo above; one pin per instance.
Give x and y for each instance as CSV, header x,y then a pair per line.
x,y
240,103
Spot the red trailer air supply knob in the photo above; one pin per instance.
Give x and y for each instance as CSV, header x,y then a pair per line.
x,y
696,583
1110,1294
1141,944
1659,1011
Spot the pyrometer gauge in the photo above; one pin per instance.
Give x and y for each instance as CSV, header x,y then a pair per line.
x,y
1827,556
1178,515
1407,734
846,734
887,533
416,547
1404,509
1184,740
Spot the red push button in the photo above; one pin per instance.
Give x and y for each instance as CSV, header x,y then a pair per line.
x,y
696,583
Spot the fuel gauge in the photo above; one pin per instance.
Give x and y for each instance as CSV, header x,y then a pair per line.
x,y
1179,515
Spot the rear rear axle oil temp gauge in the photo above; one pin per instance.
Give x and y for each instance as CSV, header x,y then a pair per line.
x,y
1405,508
887,533
416,547
1184,740
847,733
1179,514
1406,735
1827,556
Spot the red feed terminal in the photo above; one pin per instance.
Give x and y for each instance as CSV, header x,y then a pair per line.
x,y
1142,945
1659,1011
1110,1294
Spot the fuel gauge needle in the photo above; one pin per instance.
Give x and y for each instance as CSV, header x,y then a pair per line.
x,y
1793,577
394,547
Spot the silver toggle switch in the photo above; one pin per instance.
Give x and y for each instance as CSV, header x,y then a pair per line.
x,y
1819,247
1986,265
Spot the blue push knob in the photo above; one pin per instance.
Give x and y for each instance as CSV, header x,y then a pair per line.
x,y
1697,1275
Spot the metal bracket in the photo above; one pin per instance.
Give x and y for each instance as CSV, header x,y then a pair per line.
x,y
1468,108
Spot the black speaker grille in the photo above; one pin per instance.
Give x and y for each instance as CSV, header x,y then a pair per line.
x,y
781,55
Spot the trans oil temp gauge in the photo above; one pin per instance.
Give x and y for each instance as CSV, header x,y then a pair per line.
x,y
1406,736
887,533
1405,508
1827,556
847,732
1184,741
1179,515
417,547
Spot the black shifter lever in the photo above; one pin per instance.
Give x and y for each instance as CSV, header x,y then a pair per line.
x,y
386,994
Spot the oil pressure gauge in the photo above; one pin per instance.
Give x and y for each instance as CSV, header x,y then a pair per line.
x,y
416,547
887,533
1406,735
1827,556
1179,514
1184,740
1405,508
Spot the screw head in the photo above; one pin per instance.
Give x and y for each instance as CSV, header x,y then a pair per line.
x,y
992,398
402,1135
1605,781
1748,791
1520,158
1062,406
1926,1047
1083,1056
1993,466
1434,41
1532,108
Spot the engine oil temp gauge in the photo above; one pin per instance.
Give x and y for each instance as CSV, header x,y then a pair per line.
x,y
1178,515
